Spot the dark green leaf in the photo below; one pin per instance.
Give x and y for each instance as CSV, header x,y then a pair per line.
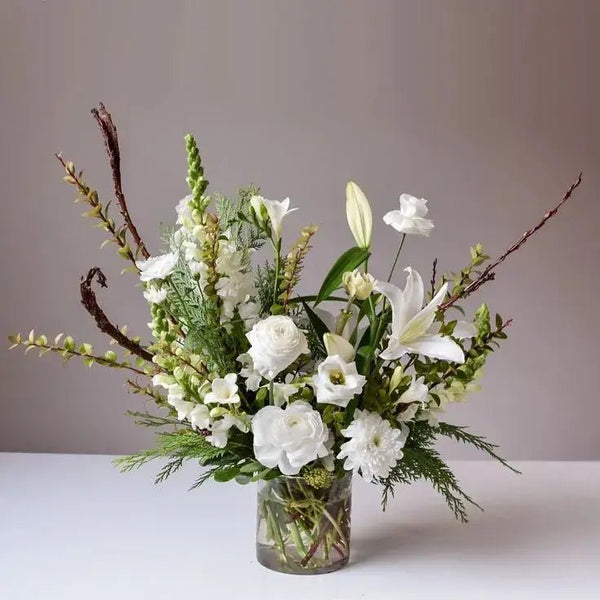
x,y
350,260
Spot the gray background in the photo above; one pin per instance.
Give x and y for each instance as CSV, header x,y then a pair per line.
x,y
486,108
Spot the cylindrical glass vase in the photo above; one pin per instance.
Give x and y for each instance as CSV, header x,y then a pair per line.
x,y
304,529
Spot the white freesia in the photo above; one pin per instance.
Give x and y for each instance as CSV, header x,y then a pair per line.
x,y
175,398
357,284
282,392
199,417
275,212
249,373
157,267
224,390
289,438
336,344
417,392
155,295
219,430
337,381
411,323
276,343
163,380
374,446
409,219
359,215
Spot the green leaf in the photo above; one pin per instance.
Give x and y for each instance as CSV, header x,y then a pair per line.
x,y
226,474
251,467
350,260
317,323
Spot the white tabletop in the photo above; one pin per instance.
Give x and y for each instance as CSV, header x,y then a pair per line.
x,y
73,527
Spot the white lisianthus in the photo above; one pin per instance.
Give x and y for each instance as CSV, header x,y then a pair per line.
x,y
155,295
411,323
359,215
276,343
157,267
289,438
271,210
224,390
417,392
249,373
409,219
336,344
337,381
357,284
374,446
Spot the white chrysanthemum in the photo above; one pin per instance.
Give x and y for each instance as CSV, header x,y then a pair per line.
x,y
374,446
157,267
155,295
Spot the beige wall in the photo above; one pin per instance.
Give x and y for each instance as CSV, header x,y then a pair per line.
x,y
487,108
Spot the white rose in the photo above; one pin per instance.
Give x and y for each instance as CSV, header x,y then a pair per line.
x,y
289,438
410,218
358,285
276,343
157,267
337,382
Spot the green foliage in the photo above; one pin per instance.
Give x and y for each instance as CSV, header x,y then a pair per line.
x,y
264,282
348,261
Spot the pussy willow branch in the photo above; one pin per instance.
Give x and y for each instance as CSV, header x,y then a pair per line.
x,y
488,273
111,141
88,299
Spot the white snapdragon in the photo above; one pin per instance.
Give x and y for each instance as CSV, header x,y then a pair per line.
x,y
224,390
411,324
155,295
410,218
337,381
272,211
249,313
184,211
374,446
289,438
157,267
357,284
275,343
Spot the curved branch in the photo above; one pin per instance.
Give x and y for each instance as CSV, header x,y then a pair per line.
x,y
88,299
111,141
488,273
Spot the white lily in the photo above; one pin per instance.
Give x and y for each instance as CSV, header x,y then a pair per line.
x,y
275,211
336,344
411,323
359,215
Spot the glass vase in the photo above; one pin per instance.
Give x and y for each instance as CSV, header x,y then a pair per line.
x,y
301,528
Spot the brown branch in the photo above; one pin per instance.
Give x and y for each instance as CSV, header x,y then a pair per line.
x,y
488,273
433,276
111,142
88,299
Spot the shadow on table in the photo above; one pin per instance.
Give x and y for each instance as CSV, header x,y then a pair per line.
x,y
498,532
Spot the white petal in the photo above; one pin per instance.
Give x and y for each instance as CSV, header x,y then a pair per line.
x,y
422,321
413,293
396,297
437,346
464,330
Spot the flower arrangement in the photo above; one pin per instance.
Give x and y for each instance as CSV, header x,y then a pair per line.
x,y
258,383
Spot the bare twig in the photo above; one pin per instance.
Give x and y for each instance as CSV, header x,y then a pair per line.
x,y
488,273
433,276
88,299
111,141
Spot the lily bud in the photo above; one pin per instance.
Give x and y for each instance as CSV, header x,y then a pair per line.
x,y
358,285
336,344
358,213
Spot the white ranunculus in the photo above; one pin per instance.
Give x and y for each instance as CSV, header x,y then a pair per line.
x,y
409,219
336,344
157,267
337,381
289,438
224,390
374,446
271,210
275,343
357,284
411,323
155,295
359,215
